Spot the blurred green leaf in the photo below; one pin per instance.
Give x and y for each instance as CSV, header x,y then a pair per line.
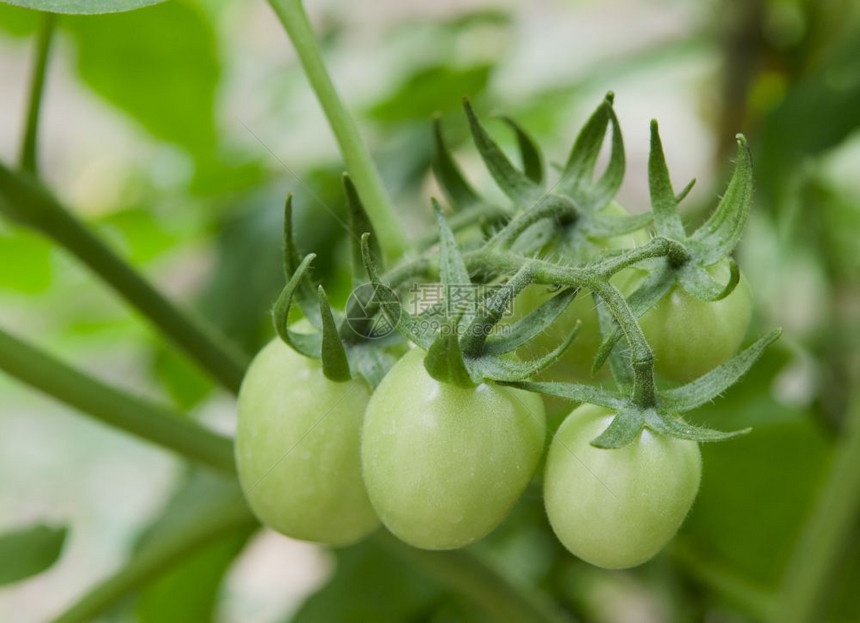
x,y
84,7
26,258
369,585
185,383
816,115
189,591
18,22
756,489
248,272
159,65
28,551
143,236
438,88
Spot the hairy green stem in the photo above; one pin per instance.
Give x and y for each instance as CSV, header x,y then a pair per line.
x,y
116,408
355,153
183,540
826,532
26,202
470,574
28,158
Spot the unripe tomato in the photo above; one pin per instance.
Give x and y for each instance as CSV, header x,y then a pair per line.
x,y
444,465
575,363
617,508
297,448
690,337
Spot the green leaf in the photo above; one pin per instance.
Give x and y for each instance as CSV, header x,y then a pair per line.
x,y
678,428
369,584
438,88
189,591
84,7
31,256
159,65
27,551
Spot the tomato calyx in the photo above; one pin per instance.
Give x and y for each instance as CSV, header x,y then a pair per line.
x,y
663,416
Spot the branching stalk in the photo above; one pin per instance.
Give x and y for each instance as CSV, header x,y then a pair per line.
x,y
355,153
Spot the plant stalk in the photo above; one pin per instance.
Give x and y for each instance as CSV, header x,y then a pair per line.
x,y
114,407
25,201
355,153
29,143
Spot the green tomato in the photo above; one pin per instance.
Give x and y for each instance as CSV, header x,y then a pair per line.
x,y
298,448
690,337
576,362
444,465
617,508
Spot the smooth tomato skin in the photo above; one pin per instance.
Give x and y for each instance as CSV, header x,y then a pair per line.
x,y
297,448
617,508
444,465
690,337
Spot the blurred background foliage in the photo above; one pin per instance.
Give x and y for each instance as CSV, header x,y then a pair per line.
x,y
176,132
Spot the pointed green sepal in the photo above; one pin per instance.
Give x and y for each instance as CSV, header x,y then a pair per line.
x,y
709,386
696,282
577,180
388,303
720,234
458,191
531,325
673,426
444,360
622,430
513,182
664,202
359,224
530,153
510,369
332,352
575,392
304,293
308,344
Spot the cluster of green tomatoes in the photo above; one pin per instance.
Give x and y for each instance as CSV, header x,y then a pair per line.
x,y
437,439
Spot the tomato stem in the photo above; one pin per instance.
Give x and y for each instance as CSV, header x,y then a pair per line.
x,y
114,407
355,153
28,203
27,159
